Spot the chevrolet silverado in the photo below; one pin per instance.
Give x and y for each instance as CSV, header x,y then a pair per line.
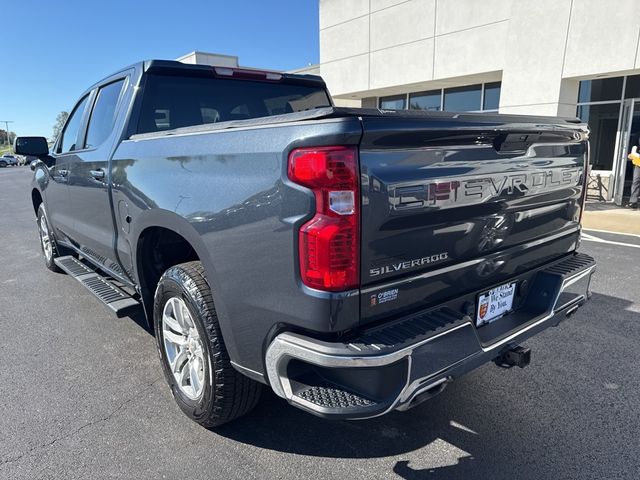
x,y
356,261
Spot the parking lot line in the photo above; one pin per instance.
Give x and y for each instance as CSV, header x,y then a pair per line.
x,y
609,231
591,238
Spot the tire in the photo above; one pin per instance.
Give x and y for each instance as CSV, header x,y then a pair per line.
x,y
225,393
3,164
55,251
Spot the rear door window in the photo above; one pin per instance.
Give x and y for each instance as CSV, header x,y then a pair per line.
x,y
172,101
104,113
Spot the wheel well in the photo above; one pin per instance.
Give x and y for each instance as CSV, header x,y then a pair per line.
x,y
36,199
159,249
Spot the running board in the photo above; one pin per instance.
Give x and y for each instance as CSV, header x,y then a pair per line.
x,y
119,301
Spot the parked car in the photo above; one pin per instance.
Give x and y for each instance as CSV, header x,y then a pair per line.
x,y
8,160
356,261
27,159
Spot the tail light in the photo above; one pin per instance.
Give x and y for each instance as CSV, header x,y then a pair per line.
x,y
329,242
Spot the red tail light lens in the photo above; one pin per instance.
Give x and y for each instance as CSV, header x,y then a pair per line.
x,y
328,243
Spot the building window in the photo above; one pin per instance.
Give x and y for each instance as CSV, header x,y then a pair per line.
x,y
491,96
472,98
600,90
632,88
600,104
395,102
463,99
603,123
430,100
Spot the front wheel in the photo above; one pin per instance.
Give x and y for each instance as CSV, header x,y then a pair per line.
x,y
194,358
50,249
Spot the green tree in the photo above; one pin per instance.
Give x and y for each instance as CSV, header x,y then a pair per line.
x,y
60,120
3,137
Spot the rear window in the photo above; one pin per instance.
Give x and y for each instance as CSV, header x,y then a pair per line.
x,y
180,101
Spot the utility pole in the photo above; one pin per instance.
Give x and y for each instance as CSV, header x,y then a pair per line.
x,y
7,122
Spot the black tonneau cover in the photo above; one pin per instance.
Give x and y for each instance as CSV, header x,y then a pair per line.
x,y
489,119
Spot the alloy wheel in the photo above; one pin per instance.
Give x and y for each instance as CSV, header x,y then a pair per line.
x,y
45,239
183,348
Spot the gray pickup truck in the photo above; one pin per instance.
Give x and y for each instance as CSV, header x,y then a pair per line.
x,y
355,260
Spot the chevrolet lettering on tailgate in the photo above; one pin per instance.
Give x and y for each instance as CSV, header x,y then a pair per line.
x,y
464,191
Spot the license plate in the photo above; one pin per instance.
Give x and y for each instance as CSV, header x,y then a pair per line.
x,y
495,303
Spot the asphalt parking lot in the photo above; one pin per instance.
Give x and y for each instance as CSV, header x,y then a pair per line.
x,y
82,394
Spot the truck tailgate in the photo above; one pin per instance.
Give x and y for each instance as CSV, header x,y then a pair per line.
x,y
452,204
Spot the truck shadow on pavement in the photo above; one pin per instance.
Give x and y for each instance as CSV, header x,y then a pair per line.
x,y
528,424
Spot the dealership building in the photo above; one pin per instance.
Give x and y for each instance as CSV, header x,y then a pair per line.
x,y
542,57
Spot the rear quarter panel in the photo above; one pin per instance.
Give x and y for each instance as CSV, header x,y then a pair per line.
x,y
227,192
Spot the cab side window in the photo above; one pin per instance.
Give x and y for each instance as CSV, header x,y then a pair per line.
x,y
70,133
104,113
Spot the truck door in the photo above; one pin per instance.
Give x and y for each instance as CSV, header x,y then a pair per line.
x,y
57,192
89,196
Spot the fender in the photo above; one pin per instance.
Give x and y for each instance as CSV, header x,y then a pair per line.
x,y
40,181
179,225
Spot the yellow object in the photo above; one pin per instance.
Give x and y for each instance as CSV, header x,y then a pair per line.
x,y
635,159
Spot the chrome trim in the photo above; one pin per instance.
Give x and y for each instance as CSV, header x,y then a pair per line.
x,y
283,348
287,346
469,263
394,404
245,369
565,283
406,401
575,278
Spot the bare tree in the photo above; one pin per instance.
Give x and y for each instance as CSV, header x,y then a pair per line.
x,y
60,120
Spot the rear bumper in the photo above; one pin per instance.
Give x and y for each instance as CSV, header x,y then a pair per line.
x,y
399,365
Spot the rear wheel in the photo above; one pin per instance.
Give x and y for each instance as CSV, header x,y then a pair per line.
x,y
194,358
50,249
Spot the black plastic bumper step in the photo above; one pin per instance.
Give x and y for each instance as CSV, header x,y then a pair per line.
x,y
408,331
119,301
570,265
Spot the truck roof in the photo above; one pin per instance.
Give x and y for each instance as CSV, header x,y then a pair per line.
x,y
173,66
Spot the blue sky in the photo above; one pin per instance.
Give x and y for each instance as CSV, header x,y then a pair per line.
x,y
51,52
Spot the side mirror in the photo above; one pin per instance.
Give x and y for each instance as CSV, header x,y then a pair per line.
x,y
35,146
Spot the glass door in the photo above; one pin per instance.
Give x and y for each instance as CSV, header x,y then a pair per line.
x,y
629,136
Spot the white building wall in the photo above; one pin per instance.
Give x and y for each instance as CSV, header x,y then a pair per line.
x,y
206,58
602,37
308,70
540,49
531,76
376,46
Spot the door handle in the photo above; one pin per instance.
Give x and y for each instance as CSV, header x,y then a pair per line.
x,y
63,173
97,174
